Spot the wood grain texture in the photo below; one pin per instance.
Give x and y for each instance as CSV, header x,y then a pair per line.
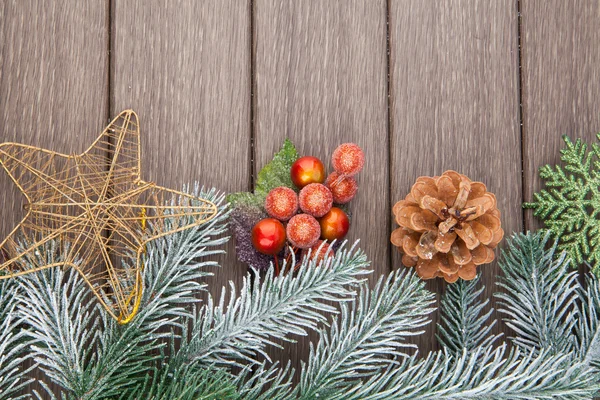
x,y
53,83
185,68
454,104
561,82
321,80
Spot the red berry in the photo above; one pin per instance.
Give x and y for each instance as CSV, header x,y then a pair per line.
x,y
307,170
316,199
343,188
348,159
334,225
281,203
303,231
268,236
319,251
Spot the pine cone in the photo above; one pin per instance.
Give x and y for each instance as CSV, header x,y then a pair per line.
x,y
448,226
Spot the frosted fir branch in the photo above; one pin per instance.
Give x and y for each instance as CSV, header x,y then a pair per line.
x,y
588,326
274,308
463,325
177,264
485,373
265,382
64,325
368,335
541,294
75,343
88,353
13,345
184,383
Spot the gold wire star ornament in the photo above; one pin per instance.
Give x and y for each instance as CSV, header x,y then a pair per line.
x,y
100,211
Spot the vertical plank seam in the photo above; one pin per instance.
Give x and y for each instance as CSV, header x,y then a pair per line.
x,y
389,129
110,67
109,87
521,118
252,98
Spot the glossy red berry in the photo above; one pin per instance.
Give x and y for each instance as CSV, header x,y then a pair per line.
x,y
281,203
319,251
303,231
342,187
334,225
348,159
268,236
307,170
315,199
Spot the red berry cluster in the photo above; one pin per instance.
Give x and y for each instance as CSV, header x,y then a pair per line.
x,y
318,217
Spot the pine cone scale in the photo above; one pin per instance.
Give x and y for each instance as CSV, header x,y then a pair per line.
x,y
483,233
444,241
460,253
410,243
468,236
426,247
447,190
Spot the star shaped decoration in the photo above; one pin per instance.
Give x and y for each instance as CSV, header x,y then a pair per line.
x,y
97,211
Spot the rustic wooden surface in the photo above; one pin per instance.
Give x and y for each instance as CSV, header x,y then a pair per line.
x,y
185,70
53,83
561,82
219,85
454,104
321,80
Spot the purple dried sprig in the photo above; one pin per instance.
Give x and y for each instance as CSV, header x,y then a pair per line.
x,y
243,219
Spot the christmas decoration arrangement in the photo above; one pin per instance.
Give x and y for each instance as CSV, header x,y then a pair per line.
x,y
176,347
297,209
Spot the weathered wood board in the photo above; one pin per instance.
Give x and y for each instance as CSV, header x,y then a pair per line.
x,y
185,69
422,85
455,105
560,60
321,80
53,84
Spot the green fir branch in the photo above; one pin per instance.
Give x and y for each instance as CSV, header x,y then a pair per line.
x,y
540,294
272,308
368,335
463,323
276,173
485,373
13,344
185,383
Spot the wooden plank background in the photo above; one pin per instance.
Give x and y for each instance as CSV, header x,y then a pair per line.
x,y
455,105
486,88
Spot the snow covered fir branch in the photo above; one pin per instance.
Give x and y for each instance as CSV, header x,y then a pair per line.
x,y
179,348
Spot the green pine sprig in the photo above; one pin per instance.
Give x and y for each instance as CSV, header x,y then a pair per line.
x,y
464,325
570,204
274,174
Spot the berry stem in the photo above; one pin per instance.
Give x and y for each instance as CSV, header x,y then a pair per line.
x,y
276,266
294,250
